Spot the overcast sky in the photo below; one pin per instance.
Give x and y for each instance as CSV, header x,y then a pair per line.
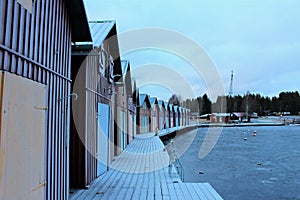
x,y
258,40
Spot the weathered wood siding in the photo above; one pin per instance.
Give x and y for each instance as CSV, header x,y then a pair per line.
x,y
162,118
91,83
83,165
37,46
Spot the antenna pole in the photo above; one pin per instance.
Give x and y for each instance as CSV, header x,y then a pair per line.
x,y
231,84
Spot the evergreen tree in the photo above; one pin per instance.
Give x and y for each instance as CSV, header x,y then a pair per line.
x,y
206,105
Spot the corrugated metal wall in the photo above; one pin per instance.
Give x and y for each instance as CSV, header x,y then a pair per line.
x,y
37,46
93,77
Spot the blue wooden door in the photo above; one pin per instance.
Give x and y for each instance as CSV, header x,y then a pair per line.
x,y
103,138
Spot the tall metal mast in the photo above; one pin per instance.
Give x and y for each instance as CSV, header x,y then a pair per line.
x,y
231,84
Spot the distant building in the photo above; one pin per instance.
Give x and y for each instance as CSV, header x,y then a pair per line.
x,y
219,117
131,109
180,121
162,114
143,117
187,116
240,116
154,113
176,115
171,116
167,115
125,109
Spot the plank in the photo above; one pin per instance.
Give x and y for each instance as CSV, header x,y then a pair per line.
x,y
141,172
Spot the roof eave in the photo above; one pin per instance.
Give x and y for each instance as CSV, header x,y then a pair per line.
x,y
79,23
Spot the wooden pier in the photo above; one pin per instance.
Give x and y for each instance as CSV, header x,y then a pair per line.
x,y
142,171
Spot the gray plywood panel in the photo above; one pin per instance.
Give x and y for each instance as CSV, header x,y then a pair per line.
x,y
22,142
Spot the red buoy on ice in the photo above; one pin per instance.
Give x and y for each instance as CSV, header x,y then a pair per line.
x,y
254,133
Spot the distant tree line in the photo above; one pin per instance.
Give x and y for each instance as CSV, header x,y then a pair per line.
x,y
201,105
285,102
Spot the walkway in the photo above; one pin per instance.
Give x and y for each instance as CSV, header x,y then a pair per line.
x,y
142,172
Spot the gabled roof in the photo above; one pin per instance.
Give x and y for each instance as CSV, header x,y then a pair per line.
x,y
153,101
161,104
205,115
171,107
221,114
142,99
175,108
239,114
135,91
167,106
100,30
79,23
126,78
124,65
180,109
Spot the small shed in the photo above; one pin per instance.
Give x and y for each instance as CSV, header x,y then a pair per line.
x,y
239,116
219,117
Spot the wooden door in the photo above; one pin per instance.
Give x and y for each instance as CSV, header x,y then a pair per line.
x,y
22,159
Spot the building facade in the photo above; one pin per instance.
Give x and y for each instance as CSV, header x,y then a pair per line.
x,y
96,67
143,116
162,114
35,58
154,114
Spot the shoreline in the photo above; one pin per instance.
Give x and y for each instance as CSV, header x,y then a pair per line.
x,y
172,132
242,124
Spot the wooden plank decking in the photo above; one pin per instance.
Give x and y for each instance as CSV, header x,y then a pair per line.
x,y
142,172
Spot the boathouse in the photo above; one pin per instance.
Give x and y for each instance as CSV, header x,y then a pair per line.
x,y
187,116
129,84
219,117
143,114
175,115
154,113
167,115
183,116
171,116
125,109
240,116
162,114
96,68
35,64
